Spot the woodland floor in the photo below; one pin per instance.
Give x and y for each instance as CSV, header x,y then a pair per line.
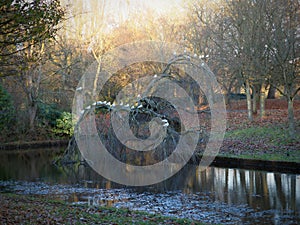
x,y
267,138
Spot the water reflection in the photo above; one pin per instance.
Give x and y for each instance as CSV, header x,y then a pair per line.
x,y
262,190
271,195
28,165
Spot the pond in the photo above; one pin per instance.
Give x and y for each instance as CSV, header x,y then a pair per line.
x,y
216,195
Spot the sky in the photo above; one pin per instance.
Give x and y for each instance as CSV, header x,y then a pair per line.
x,y
124,7
162,6
115,11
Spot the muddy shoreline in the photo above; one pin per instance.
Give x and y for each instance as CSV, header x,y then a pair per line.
x,y
254,164
33,145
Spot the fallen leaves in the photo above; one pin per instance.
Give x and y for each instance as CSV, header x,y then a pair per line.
x,y
24,209
261,136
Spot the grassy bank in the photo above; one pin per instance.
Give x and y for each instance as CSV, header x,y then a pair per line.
x,y
263,138
25,209
262,142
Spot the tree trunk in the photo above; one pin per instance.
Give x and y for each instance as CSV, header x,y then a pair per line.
x,y
255,97
95,85
32,110
272,92
227,99
31,98
249,105
262,111
291,119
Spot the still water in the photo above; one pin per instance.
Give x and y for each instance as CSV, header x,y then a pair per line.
x,y
216,195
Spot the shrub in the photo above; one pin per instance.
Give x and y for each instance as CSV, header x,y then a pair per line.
x,y
48,114
64,125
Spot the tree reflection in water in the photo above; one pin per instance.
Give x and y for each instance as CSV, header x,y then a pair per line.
x,y
261,190
277,194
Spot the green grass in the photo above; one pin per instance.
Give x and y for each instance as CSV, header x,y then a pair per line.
x,y
271,143
36,210
275,135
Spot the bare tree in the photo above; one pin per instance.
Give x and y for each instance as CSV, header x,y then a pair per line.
x,y
30,62
283,47
200,37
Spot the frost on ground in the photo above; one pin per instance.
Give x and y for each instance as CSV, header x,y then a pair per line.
x,y
197,206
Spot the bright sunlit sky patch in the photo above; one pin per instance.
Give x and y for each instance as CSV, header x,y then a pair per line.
x,y
118,11
126,7
162,6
